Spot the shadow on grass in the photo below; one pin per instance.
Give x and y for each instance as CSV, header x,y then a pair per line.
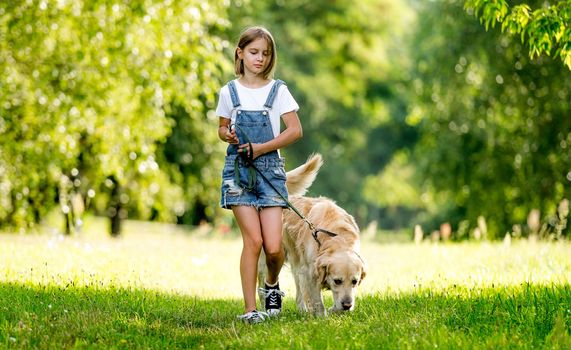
x,y
41,315
506,317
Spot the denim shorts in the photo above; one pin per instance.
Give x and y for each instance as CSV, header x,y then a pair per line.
x,y
263,195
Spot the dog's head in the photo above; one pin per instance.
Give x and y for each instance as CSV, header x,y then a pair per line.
x,y
341,272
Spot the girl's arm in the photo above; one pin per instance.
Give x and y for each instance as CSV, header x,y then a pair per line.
x,y
224,132
291,134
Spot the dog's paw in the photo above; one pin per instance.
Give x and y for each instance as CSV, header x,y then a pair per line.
x,y
318,310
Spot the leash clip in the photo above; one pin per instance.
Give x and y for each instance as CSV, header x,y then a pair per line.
x,y
310,224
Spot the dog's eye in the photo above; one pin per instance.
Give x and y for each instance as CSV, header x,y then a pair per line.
x,y
354,282
338,281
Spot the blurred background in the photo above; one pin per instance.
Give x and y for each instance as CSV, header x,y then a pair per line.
x,y
434,119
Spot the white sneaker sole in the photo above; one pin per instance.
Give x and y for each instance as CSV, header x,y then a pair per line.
x,y
273,312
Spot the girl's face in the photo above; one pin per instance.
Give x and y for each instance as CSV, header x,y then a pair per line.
x,y
256,56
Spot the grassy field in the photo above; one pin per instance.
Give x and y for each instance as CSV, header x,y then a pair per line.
x,y
160,287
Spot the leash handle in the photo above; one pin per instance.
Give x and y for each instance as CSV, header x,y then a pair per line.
x,y
249,156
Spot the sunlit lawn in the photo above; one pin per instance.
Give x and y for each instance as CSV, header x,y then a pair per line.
x,y
160,286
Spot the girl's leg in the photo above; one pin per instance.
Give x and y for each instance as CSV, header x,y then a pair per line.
x,y
271,222
249,222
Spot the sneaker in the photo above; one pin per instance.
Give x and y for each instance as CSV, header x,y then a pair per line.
x,y
254,316
273,296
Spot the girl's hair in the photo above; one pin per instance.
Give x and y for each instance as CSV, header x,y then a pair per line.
x,y
249,35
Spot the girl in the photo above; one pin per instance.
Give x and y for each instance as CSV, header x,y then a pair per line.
x,y
249,110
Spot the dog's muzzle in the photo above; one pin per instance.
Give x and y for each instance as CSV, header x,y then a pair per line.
x,y
346,304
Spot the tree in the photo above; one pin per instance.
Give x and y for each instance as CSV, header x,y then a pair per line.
x,y
546,30
494,124
88,93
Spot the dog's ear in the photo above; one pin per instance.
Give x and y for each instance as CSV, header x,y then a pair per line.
x,y
323,276
363,268
363,272
321,267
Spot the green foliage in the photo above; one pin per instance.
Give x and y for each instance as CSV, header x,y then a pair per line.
x,y
89,88
494,124
545,30
394,186
422,116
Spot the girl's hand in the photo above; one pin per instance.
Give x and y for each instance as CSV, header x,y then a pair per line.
x,y
231,137
256,147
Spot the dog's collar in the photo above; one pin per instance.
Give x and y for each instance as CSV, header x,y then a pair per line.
x,y
315,231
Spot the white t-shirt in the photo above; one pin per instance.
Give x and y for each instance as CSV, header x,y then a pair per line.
x,y
254,100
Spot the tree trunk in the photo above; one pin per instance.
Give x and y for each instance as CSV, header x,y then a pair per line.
x,y
114,209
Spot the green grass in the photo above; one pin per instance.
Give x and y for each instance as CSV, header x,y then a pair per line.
x,y
159,287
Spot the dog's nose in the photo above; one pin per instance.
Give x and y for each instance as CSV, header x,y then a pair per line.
x,y
346,305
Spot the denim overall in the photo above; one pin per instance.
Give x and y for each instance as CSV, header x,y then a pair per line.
x,y
244,188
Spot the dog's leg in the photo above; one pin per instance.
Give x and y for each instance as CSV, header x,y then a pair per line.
x,y
304,296
298,291
310,293
262,272
316,300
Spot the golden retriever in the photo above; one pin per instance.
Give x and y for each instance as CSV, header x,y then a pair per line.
x,y
334,263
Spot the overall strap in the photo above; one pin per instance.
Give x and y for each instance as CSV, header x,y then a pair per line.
x,y
273,93
233,94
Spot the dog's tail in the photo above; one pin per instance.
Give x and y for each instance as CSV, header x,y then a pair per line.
x,y
300,178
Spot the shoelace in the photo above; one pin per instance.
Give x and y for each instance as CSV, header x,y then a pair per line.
x,y
272,294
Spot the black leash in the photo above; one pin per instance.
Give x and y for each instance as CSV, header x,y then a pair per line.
x,y
249,157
